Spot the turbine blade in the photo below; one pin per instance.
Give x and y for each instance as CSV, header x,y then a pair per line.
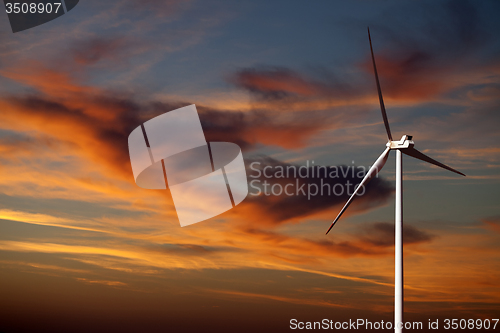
x,y
418,155
376,167
381,100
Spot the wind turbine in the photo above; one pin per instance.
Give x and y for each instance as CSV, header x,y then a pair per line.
x,y
403,146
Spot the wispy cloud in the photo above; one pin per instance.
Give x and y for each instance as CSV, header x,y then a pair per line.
x,y
315,302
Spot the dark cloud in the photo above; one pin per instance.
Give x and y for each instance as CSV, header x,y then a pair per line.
x,y
308,250
274,84
99,124
381,234
376,239
332,190
81,126
412,235
99,121
251,128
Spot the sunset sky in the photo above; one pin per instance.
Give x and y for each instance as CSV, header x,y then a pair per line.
x,y
84,249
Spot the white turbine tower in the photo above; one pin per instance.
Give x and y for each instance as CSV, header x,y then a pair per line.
x,y
405,146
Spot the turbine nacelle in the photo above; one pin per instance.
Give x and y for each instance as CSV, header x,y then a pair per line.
x,y
405,142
